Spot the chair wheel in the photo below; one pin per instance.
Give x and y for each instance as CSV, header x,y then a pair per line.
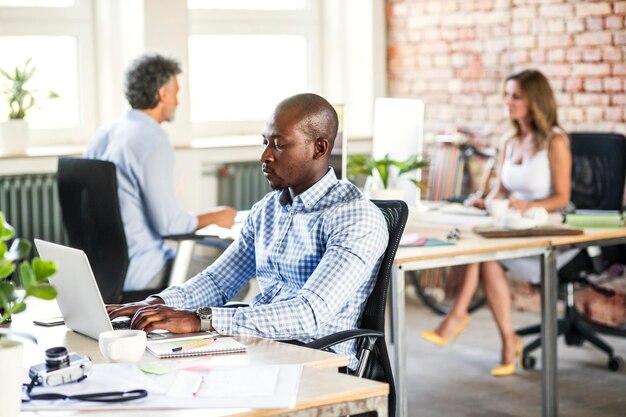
x,y
616,363
528,362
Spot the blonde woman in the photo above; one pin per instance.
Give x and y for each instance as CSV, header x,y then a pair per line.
x,y
534,170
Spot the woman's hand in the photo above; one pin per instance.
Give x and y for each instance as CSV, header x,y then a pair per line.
x,y
473,201
520,205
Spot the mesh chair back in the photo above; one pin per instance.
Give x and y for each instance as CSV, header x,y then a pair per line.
x,y
91,215
379,368
396,213
598,167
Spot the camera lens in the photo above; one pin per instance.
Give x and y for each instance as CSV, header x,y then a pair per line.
x,y
57,358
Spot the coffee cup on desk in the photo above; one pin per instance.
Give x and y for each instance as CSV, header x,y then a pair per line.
x,y
497,207
122,345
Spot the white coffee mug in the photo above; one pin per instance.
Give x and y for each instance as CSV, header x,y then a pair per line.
x,y
122,345
497,207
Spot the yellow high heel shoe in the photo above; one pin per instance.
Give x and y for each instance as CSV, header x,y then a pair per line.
x,y
433,337
509,368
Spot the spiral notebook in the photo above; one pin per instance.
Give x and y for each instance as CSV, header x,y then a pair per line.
x,y
194,346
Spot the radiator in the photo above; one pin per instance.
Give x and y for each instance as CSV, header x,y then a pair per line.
x,y
241,184
30,204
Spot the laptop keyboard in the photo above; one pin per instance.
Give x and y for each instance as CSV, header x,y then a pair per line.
x,y
124,324
121,324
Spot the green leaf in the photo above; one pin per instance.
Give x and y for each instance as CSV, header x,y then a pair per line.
x,y
20,248
43,269
7,291
27,276
6,268
7,231
43,291
361,164
18,307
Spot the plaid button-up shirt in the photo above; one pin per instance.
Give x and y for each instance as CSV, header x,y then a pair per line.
x,y
315,258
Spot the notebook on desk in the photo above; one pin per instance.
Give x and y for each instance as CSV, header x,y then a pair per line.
x,y
194,346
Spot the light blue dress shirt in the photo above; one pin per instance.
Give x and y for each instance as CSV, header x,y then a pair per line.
x,y
315,259
144,158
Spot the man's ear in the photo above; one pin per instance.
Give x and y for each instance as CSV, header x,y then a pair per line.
x,y
321,148
163,93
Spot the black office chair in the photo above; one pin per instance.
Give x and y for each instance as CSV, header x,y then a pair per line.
x,y
91,215
372,351
598,167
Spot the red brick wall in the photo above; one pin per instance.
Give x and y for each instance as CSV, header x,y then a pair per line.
x,y
453,54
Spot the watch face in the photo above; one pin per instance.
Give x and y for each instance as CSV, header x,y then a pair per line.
x,y
204,312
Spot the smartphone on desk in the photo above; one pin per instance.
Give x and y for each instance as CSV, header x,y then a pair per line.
x,y
49,321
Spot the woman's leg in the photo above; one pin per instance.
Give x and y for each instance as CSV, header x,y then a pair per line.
x,y
458,313
498,295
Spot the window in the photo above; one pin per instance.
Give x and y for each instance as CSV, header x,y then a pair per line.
x,y
56,36
247,55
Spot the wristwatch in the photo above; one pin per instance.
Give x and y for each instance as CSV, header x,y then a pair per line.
x,y
205,314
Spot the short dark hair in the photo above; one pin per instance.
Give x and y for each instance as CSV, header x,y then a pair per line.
x,y
145,76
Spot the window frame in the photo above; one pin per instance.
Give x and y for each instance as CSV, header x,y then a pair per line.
x,y
304,22
75,21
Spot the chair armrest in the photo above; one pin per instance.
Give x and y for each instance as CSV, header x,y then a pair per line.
x,y
183,236
235,304
343,336
201,239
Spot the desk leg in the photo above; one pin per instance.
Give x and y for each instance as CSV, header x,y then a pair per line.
x,y
397,325
549,289
184,252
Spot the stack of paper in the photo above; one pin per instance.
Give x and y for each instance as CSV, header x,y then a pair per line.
x,y
595,218
248,386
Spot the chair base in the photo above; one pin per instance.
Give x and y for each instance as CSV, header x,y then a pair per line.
x,y
576,330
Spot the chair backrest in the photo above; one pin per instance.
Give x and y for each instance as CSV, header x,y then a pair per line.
x,y
396,213
91,214
598,169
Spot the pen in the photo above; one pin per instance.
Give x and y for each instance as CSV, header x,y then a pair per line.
x,y
193,345
196,389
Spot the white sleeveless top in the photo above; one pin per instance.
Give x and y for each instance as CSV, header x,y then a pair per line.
x,y
532,179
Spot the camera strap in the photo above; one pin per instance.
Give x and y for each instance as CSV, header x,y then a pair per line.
x,y
101,397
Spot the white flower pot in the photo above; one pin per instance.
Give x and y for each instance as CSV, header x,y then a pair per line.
x,y
14,137
11,358
386,194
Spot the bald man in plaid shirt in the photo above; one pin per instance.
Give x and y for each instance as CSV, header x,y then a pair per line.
x,y
314,244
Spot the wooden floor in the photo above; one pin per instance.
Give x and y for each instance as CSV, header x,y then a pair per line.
x,y
454,380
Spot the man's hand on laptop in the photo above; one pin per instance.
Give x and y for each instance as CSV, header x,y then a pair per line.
x,y
151,314
129,309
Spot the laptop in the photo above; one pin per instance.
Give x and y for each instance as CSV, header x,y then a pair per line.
x,y
78,296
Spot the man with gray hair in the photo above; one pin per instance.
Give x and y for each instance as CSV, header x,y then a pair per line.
x,y
144,158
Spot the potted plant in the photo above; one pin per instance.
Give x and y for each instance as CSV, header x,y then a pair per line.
x,y
383,174
33,276
20,99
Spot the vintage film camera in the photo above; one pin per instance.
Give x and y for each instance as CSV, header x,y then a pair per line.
x,y
60,367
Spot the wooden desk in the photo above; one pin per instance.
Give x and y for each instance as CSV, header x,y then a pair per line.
x,y
322,391
472,248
